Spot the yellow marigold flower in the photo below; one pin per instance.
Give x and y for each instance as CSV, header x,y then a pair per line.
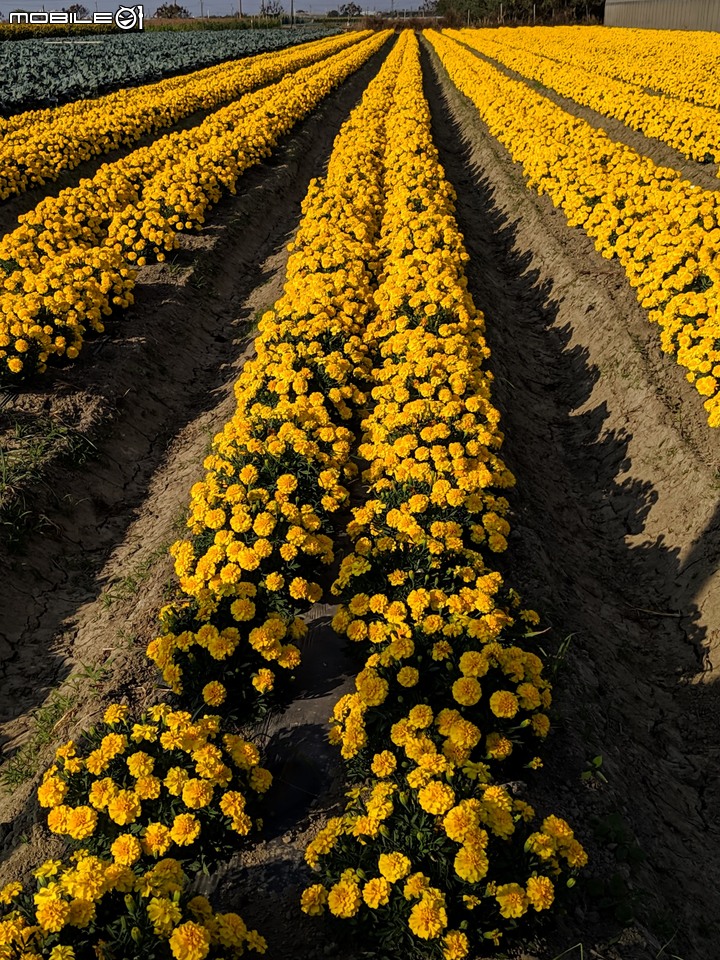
x,y
51,913
394,866
471,862
421,716
156,839
466,691
263,680
124,807
313,900
473,663
498,747
504,704
126,850
197,794
175,780
214,693
148,788
428,918
62,953
415,885
190,941
140,764
164,915
10,891
383,764
436,797
344,899
115,713
243,609
376,892
512,900
408,676
456,945
52,792
101,792
540,892
81,823
540,724
260,779
185,829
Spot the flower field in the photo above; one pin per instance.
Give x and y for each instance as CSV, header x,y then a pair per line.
x,y
370,621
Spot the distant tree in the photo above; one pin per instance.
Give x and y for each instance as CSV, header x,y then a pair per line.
x,y
81,12
429,8
332,13
172,11
350,10
271,8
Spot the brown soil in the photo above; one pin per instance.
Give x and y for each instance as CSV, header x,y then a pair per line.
x,y
701,174
615,540
150,394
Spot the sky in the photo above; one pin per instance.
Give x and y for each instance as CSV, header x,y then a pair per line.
x,y
219,7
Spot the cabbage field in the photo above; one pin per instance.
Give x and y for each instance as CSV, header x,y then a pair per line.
x,y
40,73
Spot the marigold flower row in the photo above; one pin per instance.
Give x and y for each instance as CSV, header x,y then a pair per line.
x,y
664,231
150,801
72,259
263,517
38,145
680,63
692,129
432,857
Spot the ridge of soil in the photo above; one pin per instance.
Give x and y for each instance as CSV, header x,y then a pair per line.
x,y
661,153
615,540
73,596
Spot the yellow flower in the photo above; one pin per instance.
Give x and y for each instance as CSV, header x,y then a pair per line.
x,y
81,823
383,764
540,892
164,915
190,941
504,704
126,849
124,807
394,866
185,829
313,900
197,794
428,917
156,839
115,713
344,899
456,945
376,892
512,900
436,797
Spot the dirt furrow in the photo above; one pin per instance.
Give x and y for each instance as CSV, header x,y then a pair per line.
x,y
616,540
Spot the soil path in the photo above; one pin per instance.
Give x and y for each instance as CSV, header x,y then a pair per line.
x,y
161,376
616,540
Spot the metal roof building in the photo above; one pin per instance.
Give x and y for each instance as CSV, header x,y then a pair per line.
x,y
664,14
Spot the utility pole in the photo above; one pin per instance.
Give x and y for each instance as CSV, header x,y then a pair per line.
x,y
201,9
533,13
292,12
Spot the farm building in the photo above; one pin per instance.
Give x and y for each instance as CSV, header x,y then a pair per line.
x,y
663,14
